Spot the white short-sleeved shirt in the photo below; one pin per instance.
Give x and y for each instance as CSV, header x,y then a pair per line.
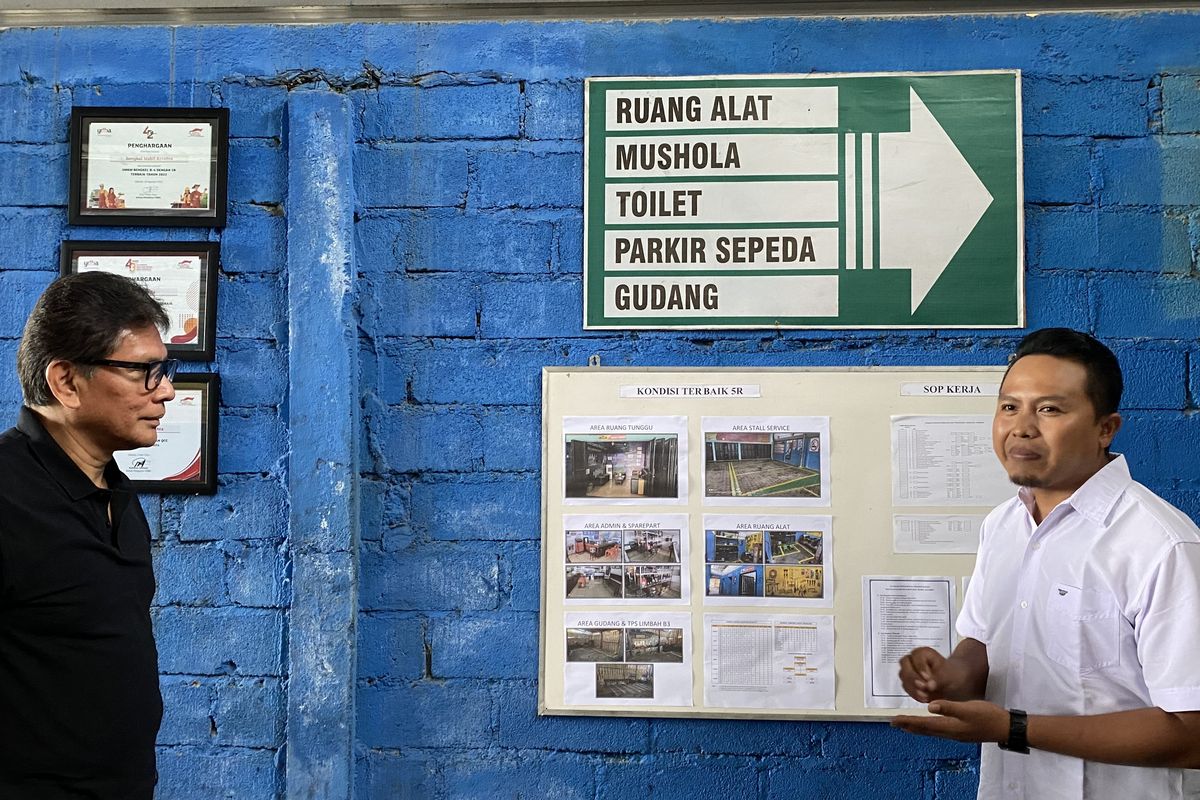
x,y
1096,610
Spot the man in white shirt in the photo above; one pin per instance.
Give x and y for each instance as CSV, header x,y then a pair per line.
x,y
1079,661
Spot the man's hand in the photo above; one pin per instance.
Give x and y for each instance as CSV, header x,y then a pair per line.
x,y
970,721
927,675
922,674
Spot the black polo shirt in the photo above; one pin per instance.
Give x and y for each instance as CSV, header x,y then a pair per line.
x,y
79,699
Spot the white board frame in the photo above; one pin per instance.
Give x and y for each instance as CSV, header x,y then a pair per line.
x,y
859,402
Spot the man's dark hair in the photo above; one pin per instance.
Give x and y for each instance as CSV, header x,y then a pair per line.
x,y
1104,382
80,318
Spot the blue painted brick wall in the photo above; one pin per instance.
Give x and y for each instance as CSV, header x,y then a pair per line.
x,y
468,175
222,572
1111,240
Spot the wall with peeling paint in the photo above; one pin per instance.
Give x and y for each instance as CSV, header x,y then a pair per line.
x,y
356,609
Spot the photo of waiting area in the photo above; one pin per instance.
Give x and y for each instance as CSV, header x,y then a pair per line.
x,y
652,546
733,547
625,680
595,583
734,580
587,547
661,645
743,464
595,644
622,466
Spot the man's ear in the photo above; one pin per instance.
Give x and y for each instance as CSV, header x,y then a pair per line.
x,y
63,379
1108,428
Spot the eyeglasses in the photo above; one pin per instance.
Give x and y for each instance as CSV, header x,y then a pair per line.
x,y
155,370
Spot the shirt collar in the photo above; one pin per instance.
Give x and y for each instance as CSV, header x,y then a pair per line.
x,y
1098,494
60,466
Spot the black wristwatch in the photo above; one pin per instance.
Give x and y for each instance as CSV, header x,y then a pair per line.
x,y
1018,727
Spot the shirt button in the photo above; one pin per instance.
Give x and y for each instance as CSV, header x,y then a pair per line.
x,y
1024,604
1036,545
1012,787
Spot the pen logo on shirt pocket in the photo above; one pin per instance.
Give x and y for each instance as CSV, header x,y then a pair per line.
x,y
1082,628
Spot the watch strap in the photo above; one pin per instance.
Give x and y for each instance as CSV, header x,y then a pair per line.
x,y
1018,732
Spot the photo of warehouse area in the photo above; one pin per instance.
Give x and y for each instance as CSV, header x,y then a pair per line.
x,y
612,659
624,680
659,645
767,559
595,644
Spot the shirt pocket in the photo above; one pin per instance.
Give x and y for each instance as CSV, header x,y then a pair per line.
x,y
1083,628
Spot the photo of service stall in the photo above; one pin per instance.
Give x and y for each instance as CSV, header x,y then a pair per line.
x,y
751,464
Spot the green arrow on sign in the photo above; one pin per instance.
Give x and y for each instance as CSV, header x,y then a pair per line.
x,y
826,201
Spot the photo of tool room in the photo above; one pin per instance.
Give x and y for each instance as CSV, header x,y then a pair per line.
x,y
625,680
795,582
734,580
652,547
587,547
661,582
733,547
622,466
594,583
660,645
794,547
762,464
595,644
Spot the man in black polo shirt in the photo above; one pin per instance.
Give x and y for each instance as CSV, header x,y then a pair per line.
x,y
79,700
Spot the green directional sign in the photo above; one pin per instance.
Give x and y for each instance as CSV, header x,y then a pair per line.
x,y
822,201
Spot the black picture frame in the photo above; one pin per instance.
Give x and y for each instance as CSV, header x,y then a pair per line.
x,y
188,339
155,134
200,477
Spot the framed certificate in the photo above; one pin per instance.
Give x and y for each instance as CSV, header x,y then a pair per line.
x,y
148,166
184,459
181,275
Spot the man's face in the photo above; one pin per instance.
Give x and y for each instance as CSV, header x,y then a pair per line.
x,y
1045,432
116,410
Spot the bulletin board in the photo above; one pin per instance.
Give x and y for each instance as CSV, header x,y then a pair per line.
x,y
756,543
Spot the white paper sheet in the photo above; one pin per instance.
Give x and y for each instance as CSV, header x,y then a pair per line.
x,y
946,461
625,560
777,661
177,453
901,613
628,659
936,533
